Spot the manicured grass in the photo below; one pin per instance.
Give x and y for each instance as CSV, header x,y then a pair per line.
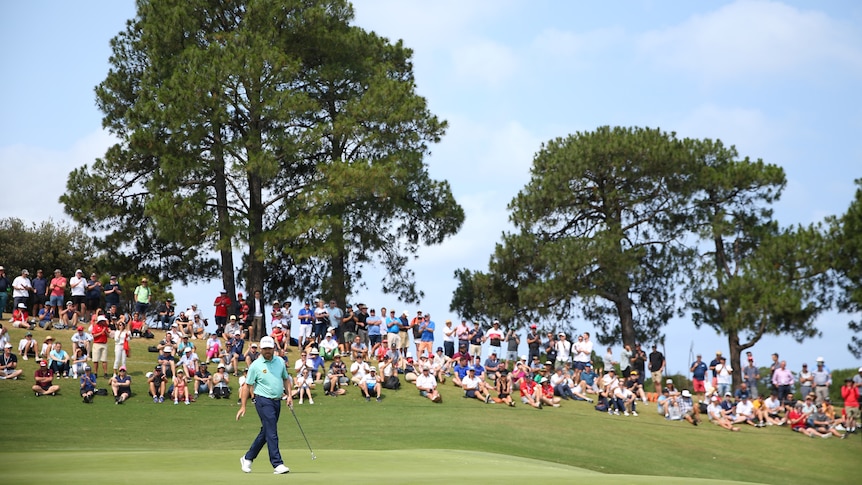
x,y
404,439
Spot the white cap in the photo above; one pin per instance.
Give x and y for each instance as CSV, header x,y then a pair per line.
x,y
168,348
22,305
685,393
188,349
267,343
102,318
820,359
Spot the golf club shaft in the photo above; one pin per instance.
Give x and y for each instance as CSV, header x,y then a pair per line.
x,y
301,431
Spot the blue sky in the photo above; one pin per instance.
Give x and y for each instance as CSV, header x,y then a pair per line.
x,y
780,80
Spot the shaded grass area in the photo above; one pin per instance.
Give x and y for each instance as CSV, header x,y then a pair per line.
x,y
350,436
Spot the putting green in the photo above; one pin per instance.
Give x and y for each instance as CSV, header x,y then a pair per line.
x,y
331,466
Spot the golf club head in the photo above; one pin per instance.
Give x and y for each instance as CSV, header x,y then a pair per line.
x,y
313,457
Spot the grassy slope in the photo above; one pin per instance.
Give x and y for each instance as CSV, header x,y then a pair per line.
x,y
573,435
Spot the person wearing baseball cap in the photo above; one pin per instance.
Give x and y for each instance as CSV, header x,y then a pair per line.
x,y
156,383
88,385
9,363
44,378
220,383
121,385
269,381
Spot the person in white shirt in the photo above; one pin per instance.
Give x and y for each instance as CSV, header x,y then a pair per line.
x,y
358,370
564,349
78,285
21,288
427,386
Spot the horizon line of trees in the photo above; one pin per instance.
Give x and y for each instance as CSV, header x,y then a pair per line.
x,y
627,227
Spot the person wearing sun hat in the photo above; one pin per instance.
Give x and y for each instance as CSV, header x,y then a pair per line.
x,y
44,378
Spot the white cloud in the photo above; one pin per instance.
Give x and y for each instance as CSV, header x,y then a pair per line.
x,y
485,62
749,38
42,173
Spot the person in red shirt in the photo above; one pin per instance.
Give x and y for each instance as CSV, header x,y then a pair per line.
x,y
44,378
100,344
850,394
222,305
529,394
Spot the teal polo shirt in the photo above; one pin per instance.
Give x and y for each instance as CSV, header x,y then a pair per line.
x,y
267,377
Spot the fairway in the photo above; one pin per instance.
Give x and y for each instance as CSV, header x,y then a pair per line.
x,y
331,466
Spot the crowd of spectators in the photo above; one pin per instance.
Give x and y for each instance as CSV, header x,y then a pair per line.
x,y
339,348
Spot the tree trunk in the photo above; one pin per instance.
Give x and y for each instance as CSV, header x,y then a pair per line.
x,y
225,231
339,266
624,308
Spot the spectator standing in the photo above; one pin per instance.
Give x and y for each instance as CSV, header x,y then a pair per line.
x,y
495,338
143,297
656,367
57,292
121,346
626,356
806,381
512,342
256,322
78,285
222,306
21,288
40,292
783,380
750,376
100,345
449,340
822,379
850,395
113,291
724,376
5,284
94,294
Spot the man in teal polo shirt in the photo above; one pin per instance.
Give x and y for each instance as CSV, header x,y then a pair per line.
x,y
268,376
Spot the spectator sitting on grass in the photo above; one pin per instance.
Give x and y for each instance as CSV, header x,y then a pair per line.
x,y
189,362
316,365
358,370
427,386
213,347
371,385
47,347
304,383
530,393
634,384
203,381
121,385
44,378
562,384
27,346
59,360
358,349
473,387
87,385
69,317
663,402
166,360
547,393
716,416
9,363
221,383
625,399
773,407
253,353
336,377
799,422
156,383
185,343
745,412
235,348
687,408
462,352
83,340
45,318
231,328
328,346
492,365
823,422
440,365
459,370
503,388
180,388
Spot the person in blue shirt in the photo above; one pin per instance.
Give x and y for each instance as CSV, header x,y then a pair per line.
x,y
269,382
88,385
698,375
306,321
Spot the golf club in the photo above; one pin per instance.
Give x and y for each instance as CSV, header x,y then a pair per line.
x,y
303,433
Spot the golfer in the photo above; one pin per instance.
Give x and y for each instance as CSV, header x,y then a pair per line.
x,y
268,376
